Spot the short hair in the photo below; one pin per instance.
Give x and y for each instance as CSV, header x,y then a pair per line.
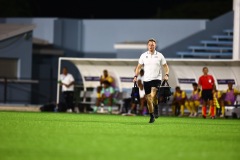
x,y
205,68
152,40
177,88
194,84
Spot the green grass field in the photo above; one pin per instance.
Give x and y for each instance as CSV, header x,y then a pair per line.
x,y
57,136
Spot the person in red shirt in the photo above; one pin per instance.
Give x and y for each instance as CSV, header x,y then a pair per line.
x,y
206,83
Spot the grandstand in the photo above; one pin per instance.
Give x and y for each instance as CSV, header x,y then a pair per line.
x,y
220,46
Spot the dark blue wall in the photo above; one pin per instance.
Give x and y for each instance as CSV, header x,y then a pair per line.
x,y
18,47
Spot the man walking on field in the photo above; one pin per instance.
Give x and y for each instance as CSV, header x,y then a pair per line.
x,y
152,61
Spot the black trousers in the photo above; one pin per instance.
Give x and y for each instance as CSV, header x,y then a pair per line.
x,y
68,97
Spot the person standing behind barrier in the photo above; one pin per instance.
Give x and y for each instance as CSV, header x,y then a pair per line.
x,y
206,82
194,100
67,83
152,61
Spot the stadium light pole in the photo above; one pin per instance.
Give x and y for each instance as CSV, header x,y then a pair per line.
x,y
236,30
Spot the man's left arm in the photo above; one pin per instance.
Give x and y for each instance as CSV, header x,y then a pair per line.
x,y
166,71
71,83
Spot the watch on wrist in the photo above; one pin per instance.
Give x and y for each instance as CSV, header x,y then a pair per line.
x,y
167,75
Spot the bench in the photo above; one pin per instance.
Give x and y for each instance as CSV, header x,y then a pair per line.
x,y
214,42
222,37
228,31
89,100
204,54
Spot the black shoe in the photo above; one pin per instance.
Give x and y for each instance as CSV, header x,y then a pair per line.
x,y
204,117
152,119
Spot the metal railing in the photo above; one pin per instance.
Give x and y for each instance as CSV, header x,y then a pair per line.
x,y
6,85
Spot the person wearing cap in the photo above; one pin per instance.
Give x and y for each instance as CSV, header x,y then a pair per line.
x,y
153,62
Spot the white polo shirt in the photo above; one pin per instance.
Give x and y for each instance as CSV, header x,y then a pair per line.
x,y
67,79
152,65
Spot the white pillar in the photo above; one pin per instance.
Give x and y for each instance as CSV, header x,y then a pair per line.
x,y
58,85
236,30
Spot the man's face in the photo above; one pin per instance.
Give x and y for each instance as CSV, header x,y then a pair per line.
x,y
151,46
205,71
230,85
105,73
105,85
64,71
195,87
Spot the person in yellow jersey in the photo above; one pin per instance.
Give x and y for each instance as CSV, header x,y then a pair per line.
x,y
229,97
107,77
216,102
194,100
179,101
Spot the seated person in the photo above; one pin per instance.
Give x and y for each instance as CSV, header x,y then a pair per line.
x,y
107,95
103,78
229,97
194,100
107,77
179,101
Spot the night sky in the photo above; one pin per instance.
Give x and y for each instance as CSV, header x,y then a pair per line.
x,y
116,9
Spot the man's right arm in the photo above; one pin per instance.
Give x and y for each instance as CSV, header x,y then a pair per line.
x,y
139,66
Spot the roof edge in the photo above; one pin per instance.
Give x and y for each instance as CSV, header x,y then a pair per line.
x,y
14,32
